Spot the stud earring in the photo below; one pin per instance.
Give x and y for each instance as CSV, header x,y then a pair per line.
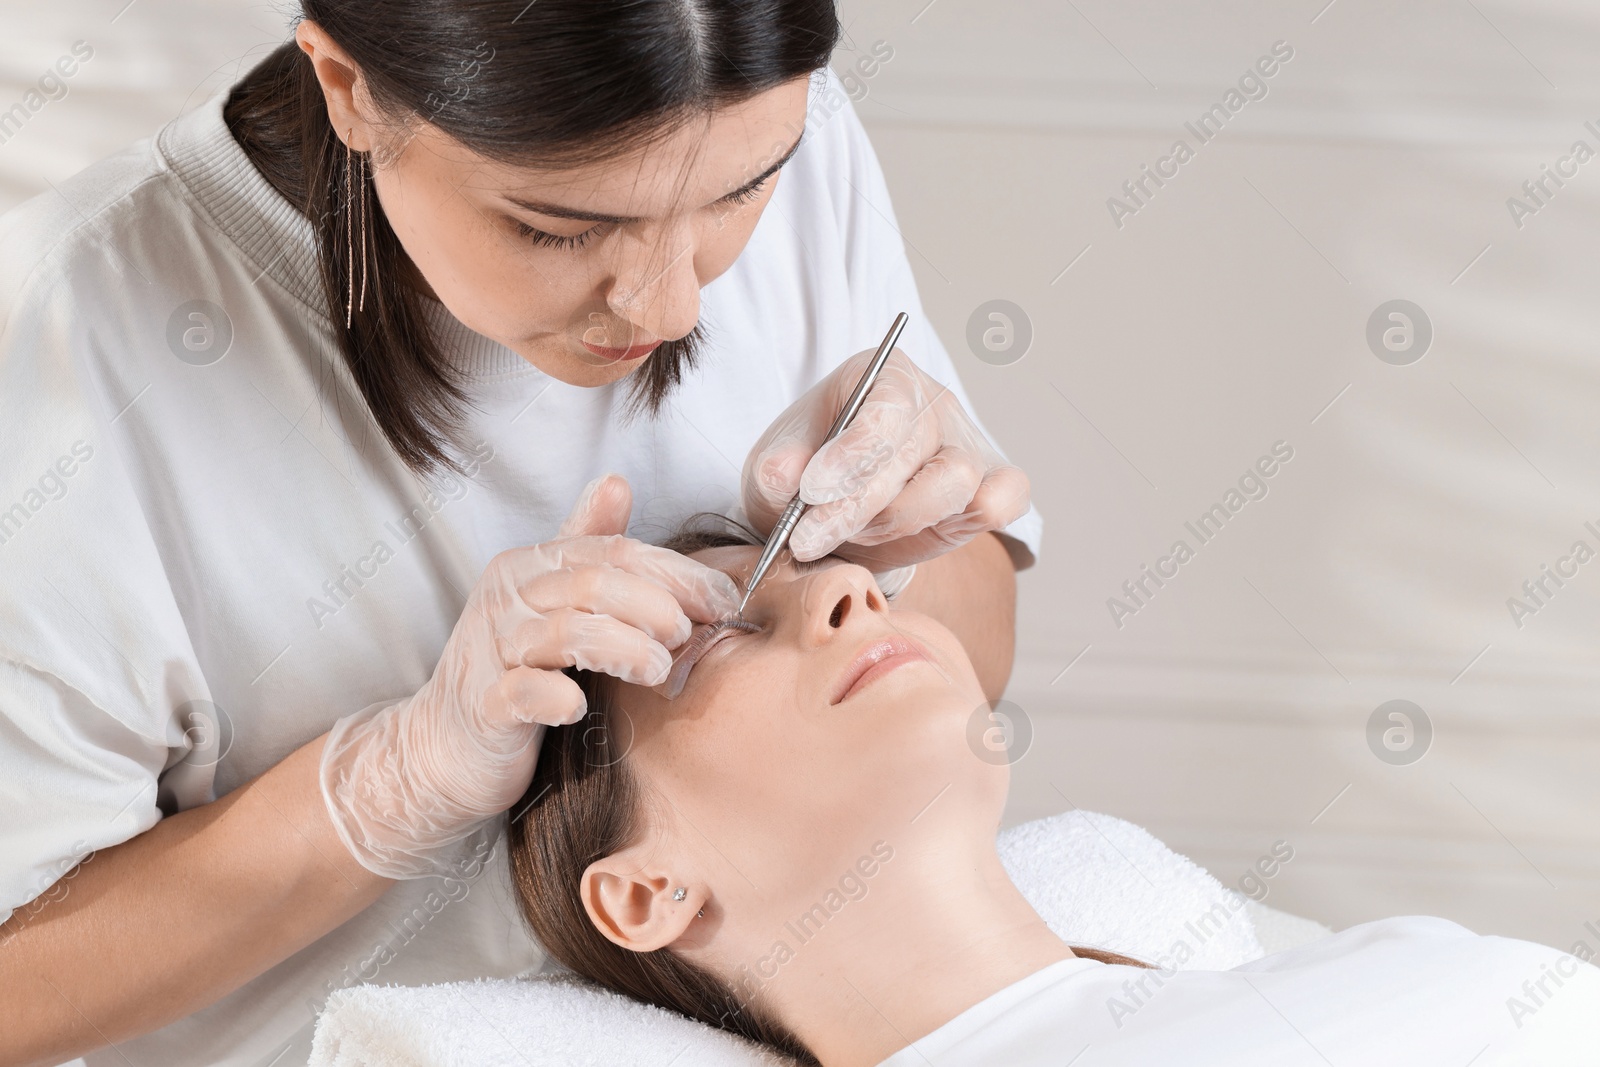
x,y
680,892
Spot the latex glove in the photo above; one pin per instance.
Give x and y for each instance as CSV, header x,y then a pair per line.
x,y
407,783
910,478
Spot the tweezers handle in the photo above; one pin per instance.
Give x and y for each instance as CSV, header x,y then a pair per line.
x,y
797,507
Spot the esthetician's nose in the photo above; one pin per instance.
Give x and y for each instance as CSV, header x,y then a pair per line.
x,y
655,286
838,602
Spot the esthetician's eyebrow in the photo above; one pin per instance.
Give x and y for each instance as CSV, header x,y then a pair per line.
x,y
556,211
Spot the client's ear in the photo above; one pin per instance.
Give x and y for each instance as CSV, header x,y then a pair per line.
x,y
630,901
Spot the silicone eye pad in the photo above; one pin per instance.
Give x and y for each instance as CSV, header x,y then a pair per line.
x,y
700,642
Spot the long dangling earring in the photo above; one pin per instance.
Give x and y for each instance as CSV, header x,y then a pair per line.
x,y
351,304
349,235
361,304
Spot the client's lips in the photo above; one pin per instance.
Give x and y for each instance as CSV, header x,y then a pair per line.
x,y
877,659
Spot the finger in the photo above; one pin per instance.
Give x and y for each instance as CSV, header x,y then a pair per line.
x,y
606,590
926,544
943,488
773,478
821,530
825,526
953,532
568,638
705,593
1003,497
525,696
898,553
882,428
999,501
602,508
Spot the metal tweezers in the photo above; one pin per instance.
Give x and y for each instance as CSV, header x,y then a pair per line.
x,y
779,538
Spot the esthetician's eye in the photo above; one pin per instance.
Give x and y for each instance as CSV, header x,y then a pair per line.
x,y
550,240
744,196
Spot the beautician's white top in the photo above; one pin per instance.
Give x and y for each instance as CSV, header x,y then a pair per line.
x,y
1410,992
167,528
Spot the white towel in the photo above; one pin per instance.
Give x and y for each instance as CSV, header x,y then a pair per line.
x,y
1279,931
503,1022
1107,883
1096,880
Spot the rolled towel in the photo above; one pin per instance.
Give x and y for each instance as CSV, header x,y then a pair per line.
x,y
544,1021
1096,880
1104,882
1279,931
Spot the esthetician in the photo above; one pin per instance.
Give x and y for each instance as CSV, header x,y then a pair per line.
x,y
304,406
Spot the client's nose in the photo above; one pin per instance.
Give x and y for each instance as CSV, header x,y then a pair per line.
x,y
836,600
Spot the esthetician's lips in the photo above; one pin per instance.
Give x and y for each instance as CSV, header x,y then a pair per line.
x,y
621,355
877,659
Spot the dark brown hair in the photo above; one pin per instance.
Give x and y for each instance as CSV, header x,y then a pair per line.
x,y
584,804
558,82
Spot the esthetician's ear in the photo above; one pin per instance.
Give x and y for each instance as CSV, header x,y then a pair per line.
x,y
337,74
630,901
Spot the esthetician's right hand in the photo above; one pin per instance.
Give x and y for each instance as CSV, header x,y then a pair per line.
x,y
406,783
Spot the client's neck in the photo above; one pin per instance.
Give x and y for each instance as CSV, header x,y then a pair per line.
x,y
936,933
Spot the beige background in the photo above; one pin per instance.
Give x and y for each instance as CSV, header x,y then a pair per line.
x,y
1226,315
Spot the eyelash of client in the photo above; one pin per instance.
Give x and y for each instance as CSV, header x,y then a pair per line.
x,y
708,634
698,645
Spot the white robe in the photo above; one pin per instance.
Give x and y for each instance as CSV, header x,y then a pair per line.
x,y
1413,991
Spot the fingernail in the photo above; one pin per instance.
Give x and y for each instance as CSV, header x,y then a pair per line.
x,y
812,493
681,632
588,493
813,490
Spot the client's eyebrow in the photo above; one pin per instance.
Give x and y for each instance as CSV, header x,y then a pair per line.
x,y
804,566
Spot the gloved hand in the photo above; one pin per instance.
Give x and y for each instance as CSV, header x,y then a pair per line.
x,y
910,478
408,782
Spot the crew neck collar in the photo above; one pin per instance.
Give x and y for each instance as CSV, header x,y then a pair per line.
x,y
988,1011
272,234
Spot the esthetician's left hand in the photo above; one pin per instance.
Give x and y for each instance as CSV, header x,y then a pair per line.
x,y
910,478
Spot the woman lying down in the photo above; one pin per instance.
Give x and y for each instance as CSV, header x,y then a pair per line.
x,y
689,853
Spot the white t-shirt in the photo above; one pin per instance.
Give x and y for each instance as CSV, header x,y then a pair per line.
x,y
1412,992
180,535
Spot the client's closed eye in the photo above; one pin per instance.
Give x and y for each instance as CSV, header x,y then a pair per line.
x,y
704,639
717,633
708,637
